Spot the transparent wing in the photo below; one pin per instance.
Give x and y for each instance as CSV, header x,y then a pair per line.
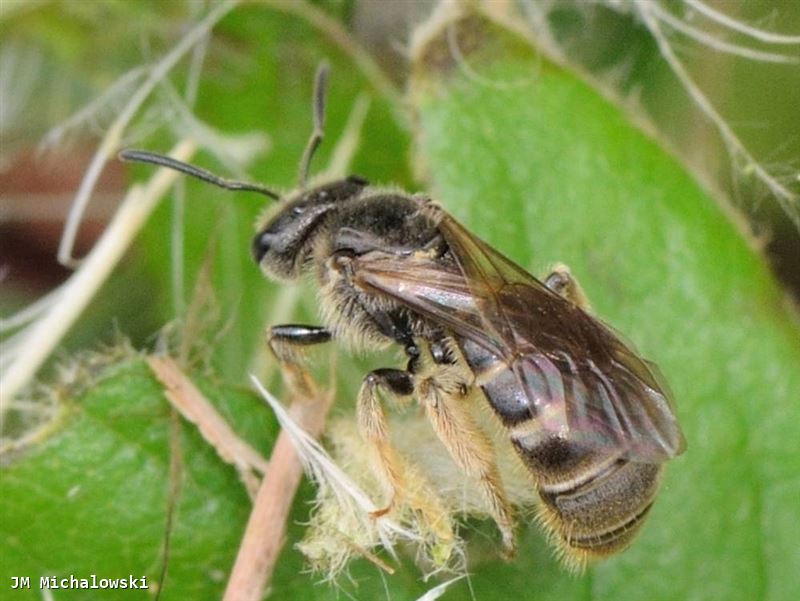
x,y
580,379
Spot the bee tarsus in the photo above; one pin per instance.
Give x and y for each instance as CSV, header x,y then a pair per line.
x,y
300,335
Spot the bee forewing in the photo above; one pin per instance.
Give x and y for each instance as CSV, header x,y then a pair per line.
x,y
578,380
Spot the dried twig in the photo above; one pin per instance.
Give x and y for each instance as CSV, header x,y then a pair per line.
x,y
193,406
266,528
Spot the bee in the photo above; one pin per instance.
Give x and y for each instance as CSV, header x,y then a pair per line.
x,y
589,418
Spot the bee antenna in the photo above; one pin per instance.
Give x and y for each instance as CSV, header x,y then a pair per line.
x,y
142,156
320,90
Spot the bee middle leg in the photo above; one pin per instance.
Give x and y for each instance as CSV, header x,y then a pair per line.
x,y
561,281
444,393
404,483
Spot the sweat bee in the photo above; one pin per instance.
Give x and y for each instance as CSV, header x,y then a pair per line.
x,y
590,419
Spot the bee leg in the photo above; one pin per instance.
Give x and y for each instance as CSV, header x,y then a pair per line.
x,y
402,481
286,343
444,400
562,282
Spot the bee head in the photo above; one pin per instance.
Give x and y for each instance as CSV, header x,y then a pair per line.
x,y
286,240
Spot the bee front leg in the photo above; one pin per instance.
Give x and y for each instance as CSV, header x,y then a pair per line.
x,y
562,282
286,343
404,483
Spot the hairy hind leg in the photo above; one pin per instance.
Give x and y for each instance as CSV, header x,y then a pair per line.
x,y
561,281
404,483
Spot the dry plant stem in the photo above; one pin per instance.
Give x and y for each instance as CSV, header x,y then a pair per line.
x,y
266,528
705,38
195,408
753,32
84,283
787,199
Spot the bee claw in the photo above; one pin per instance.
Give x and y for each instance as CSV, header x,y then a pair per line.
x,y
509,551
379,513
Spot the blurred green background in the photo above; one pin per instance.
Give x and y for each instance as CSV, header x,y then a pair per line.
x,y
480,141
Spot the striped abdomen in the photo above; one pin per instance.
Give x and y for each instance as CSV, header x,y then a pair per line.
x,y
593,502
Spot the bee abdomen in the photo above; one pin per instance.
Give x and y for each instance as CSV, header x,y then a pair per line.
x,y
593,500
601,515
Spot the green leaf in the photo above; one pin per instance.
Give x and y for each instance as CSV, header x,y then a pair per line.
x,y
545,169
536,162
92,497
